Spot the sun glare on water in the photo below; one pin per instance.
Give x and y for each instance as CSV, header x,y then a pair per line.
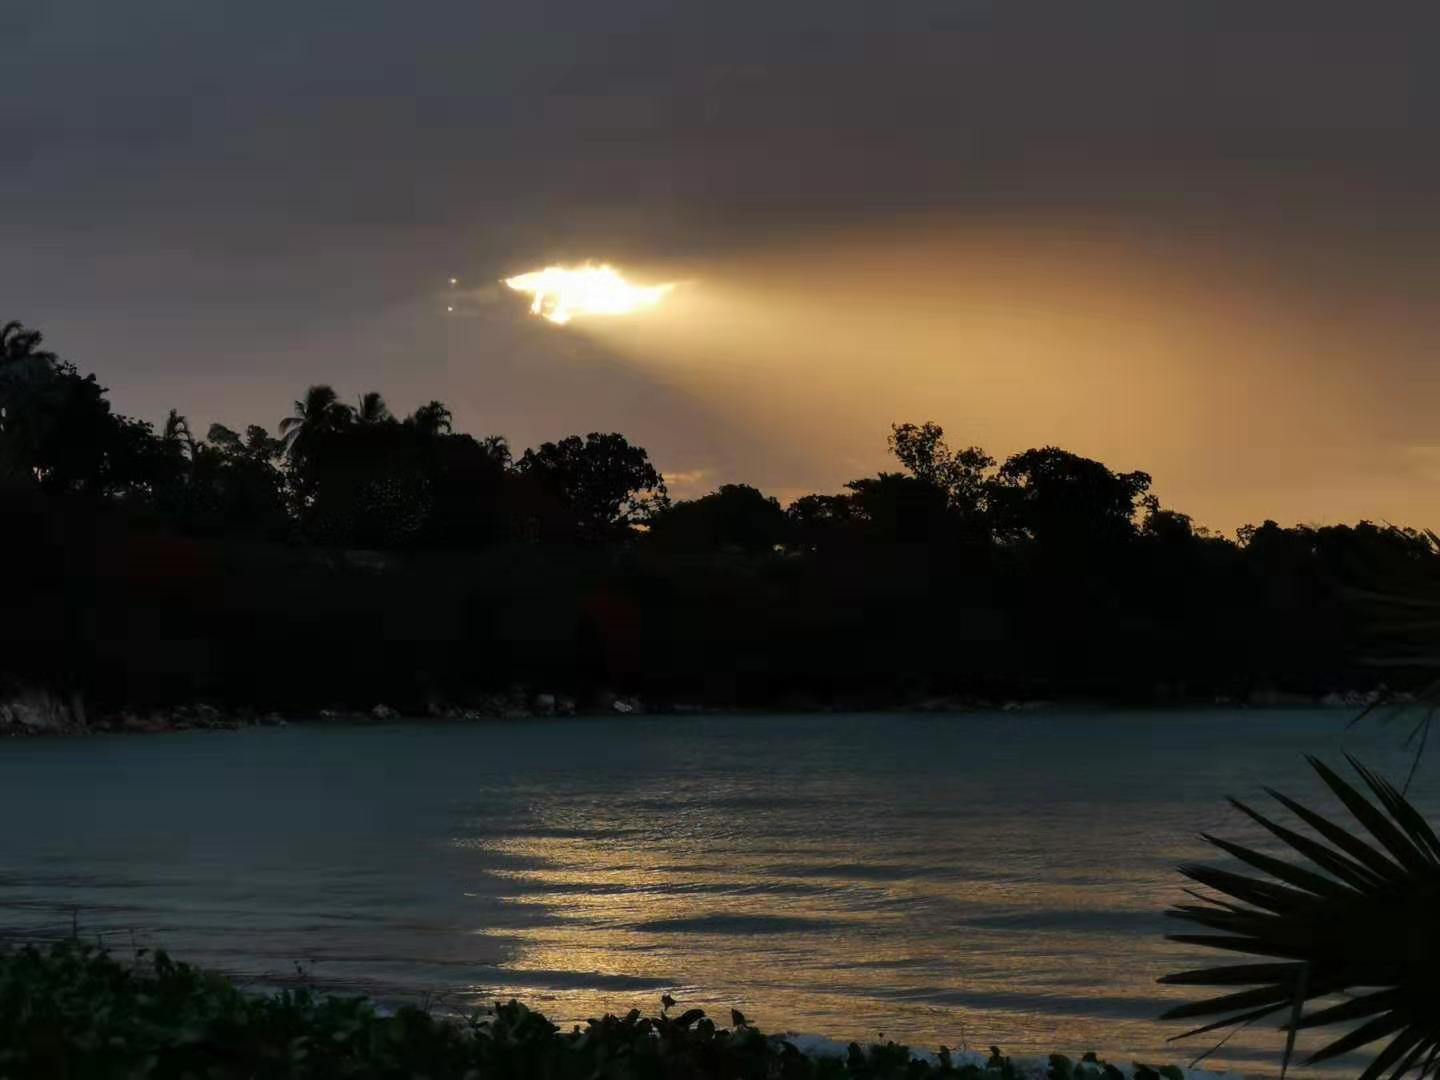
x,y
562,293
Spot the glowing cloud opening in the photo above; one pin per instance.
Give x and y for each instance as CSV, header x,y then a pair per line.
x,y
563,293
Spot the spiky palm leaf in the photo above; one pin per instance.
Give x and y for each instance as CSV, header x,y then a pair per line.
x,y
1399,611
1355,914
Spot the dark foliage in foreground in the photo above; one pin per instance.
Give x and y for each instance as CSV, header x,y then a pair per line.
x,y
1354,916
358,557
74,1011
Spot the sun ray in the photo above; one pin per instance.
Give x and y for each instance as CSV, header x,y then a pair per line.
x,y
563,293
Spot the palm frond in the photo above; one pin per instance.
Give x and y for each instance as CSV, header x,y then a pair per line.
x,y
1356,912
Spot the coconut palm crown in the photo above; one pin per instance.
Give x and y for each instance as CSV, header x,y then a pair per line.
x,y
1354,915
372,409
319,411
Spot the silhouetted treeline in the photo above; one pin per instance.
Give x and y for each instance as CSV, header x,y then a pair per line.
x,y
354,556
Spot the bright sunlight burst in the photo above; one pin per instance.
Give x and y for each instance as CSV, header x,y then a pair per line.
x,y
563,293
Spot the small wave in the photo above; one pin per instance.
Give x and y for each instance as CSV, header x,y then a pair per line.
x,y
736,924
859,871
1080,922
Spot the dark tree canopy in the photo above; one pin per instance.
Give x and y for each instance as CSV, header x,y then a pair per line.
x,y
1056,497
821,522
1051,575
735,516
960,474
604,485
902,509
432,418
233,487
57,429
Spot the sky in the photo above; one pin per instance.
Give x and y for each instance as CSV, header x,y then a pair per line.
x,y
1195,238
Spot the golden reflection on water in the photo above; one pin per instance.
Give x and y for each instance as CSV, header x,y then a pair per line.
x,y
1035,931
807,932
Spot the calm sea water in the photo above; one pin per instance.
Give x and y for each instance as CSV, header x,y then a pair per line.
x,y
941,879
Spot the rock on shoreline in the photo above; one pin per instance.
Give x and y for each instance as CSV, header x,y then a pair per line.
x,y
35,711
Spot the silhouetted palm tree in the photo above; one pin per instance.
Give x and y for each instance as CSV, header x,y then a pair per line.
x,y
432,418
372,409
1355,916
319,411
177,430
17,343
497,448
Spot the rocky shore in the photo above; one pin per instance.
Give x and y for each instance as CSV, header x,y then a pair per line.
x,y
36,711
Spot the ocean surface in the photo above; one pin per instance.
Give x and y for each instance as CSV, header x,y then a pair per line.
x,y
969,879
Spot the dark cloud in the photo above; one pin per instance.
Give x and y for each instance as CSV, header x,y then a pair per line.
x,y
249,194
367,114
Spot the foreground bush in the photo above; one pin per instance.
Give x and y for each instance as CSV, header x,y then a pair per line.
x,y
75,1012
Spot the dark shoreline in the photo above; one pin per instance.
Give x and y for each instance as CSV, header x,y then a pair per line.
x,y
38,713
